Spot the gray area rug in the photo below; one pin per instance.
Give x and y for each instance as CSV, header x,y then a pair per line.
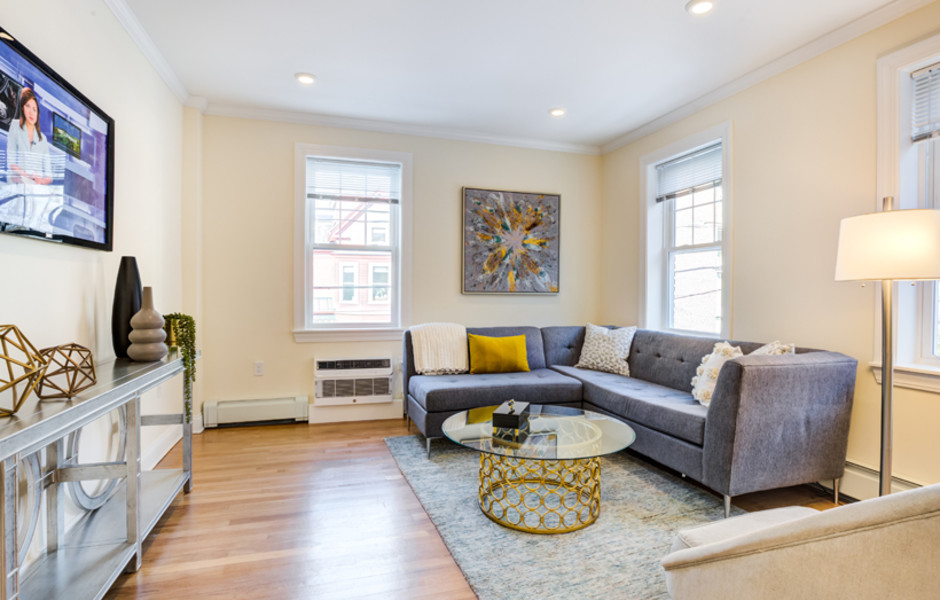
x,y
617,557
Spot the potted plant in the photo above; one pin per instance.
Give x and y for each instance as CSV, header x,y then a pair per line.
x,y
181,333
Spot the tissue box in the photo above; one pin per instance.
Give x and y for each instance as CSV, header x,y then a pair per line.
x,y
511,415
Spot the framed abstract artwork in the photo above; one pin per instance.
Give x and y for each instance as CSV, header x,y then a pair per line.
x,y
510,242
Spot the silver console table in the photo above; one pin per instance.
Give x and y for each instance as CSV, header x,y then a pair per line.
x,y
85,561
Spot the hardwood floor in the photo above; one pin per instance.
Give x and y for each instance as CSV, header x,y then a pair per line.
x,y
296,511
310,511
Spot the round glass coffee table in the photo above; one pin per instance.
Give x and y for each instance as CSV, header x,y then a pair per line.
x,y
545,480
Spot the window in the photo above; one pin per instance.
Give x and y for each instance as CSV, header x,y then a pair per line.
x,y
349,280
378,283
350,227
908,170
925,125
378,234
691,187
687,280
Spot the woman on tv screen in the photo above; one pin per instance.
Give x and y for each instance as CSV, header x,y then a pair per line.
x,y
27,149
28,163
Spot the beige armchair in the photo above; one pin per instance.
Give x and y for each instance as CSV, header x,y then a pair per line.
x,y
887,547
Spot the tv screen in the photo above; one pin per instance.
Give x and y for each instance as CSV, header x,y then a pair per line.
x,y
56,155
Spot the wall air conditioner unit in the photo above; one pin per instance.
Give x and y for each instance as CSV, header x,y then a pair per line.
x,y
341,381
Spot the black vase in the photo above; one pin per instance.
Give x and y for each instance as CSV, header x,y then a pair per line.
x,y
127,293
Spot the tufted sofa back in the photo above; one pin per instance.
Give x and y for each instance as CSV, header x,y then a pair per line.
x,y
667,359
563,344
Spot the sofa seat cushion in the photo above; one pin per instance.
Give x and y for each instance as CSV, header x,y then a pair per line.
x,y
441,393
658,407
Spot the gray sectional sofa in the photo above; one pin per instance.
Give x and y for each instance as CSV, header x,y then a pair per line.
x,y
773,421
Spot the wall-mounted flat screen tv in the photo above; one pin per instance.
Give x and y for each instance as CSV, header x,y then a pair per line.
x,y
56,155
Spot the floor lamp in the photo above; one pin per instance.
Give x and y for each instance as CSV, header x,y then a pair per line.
x,y
889,246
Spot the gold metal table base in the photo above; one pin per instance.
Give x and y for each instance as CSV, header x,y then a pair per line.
x,y
540,496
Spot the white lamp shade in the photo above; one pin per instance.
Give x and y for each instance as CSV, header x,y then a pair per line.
x,y
893,244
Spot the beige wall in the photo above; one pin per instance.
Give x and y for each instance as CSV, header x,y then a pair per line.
x,y
58,294
803,155
248,249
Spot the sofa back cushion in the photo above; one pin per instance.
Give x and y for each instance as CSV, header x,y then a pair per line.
x,y
671,359
535,351
563,344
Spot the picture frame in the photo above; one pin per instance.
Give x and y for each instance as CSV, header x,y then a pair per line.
x,y
511,242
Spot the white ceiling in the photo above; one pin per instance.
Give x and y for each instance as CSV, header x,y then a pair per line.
x,y
487,69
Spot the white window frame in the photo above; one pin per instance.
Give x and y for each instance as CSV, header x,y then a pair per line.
x,y
400,237
915,366
654,264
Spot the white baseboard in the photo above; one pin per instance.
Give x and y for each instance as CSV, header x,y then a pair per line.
x,y
862,483
151,457
197,423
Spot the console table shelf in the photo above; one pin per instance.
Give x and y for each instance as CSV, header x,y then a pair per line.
x,y
85,561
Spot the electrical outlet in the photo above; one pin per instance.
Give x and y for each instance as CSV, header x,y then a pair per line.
x,y
259,368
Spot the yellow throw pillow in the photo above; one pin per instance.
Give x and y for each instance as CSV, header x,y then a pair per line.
x,y
497,354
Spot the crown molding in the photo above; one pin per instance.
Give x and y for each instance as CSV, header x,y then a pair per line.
x,y
823,44
197,102
302,118
145,43
833,39
142,39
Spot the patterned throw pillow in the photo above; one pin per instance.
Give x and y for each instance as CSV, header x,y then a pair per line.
x,y
606,349
775,347
703,384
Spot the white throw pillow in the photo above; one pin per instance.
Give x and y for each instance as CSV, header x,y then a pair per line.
x,y
775,347
703,384
606,349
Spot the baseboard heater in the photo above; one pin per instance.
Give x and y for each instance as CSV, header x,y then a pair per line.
x,y
243,412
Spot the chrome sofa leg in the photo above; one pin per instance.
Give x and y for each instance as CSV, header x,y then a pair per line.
x,y
835,489
408,421
428,441
727,506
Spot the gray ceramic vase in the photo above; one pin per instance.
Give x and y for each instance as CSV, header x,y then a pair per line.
x,y
147,335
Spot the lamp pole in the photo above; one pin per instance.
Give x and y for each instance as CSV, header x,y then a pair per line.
x,y
887,374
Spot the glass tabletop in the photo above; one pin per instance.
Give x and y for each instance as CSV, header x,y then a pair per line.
x,y
554,433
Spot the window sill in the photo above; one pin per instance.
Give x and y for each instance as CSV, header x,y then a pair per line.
x,y
919,377
386,334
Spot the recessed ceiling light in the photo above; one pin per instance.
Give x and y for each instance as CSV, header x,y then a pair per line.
x,y
304,78
700,7
557,112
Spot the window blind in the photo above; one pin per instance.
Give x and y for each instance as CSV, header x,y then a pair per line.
x,y
685,173
349,180
926,108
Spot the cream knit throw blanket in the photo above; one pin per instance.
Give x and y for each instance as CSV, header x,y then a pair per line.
x,y
440,348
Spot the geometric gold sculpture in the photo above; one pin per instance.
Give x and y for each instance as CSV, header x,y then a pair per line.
x,y
71,369
21,368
